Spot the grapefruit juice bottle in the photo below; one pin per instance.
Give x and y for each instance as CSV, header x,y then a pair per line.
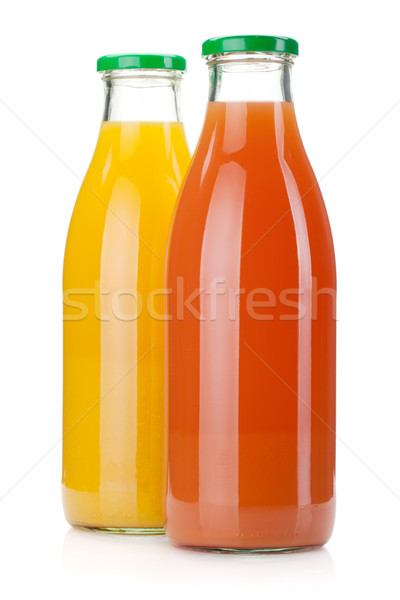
x,y
114,466
252,335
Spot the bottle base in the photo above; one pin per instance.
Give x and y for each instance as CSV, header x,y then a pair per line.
x,y
283,550
251,529
122,530
110,513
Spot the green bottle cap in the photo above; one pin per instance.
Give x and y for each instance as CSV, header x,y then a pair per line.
x,y
171,62
250,43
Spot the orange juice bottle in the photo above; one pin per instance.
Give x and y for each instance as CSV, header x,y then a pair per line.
x,y
252,335
114,465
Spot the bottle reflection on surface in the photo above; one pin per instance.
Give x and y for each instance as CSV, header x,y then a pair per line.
x,y
152,559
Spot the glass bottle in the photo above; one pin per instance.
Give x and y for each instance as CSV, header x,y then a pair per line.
x,y
114,465
252,335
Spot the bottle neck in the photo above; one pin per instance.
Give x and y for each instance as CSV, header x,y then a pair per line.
x,y
250,77
142,95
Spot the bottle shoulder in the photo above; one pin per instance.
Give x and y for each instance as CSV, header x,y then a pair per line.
x,y
255,185
129,192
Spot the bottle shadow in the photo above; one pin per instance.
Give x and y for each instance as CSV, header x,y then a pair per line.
x,y
153,558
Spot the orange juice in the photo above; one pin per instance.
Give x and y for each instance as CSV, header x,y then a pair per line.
x,y
113,449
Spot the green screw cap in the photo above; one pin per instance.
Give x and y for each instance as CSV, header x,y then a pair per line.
x,y
250,43
171,62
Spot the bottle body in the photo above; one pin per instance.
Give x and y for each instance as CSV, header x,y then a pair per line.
x,y
114,468
251,362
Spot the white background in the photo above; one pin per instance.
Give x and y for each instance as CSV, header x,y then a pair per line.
x,y
347,96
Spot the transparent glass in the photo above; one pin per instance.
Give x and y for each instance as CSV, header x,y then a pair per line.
x,y
142,95
114,463
250,77
252,355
